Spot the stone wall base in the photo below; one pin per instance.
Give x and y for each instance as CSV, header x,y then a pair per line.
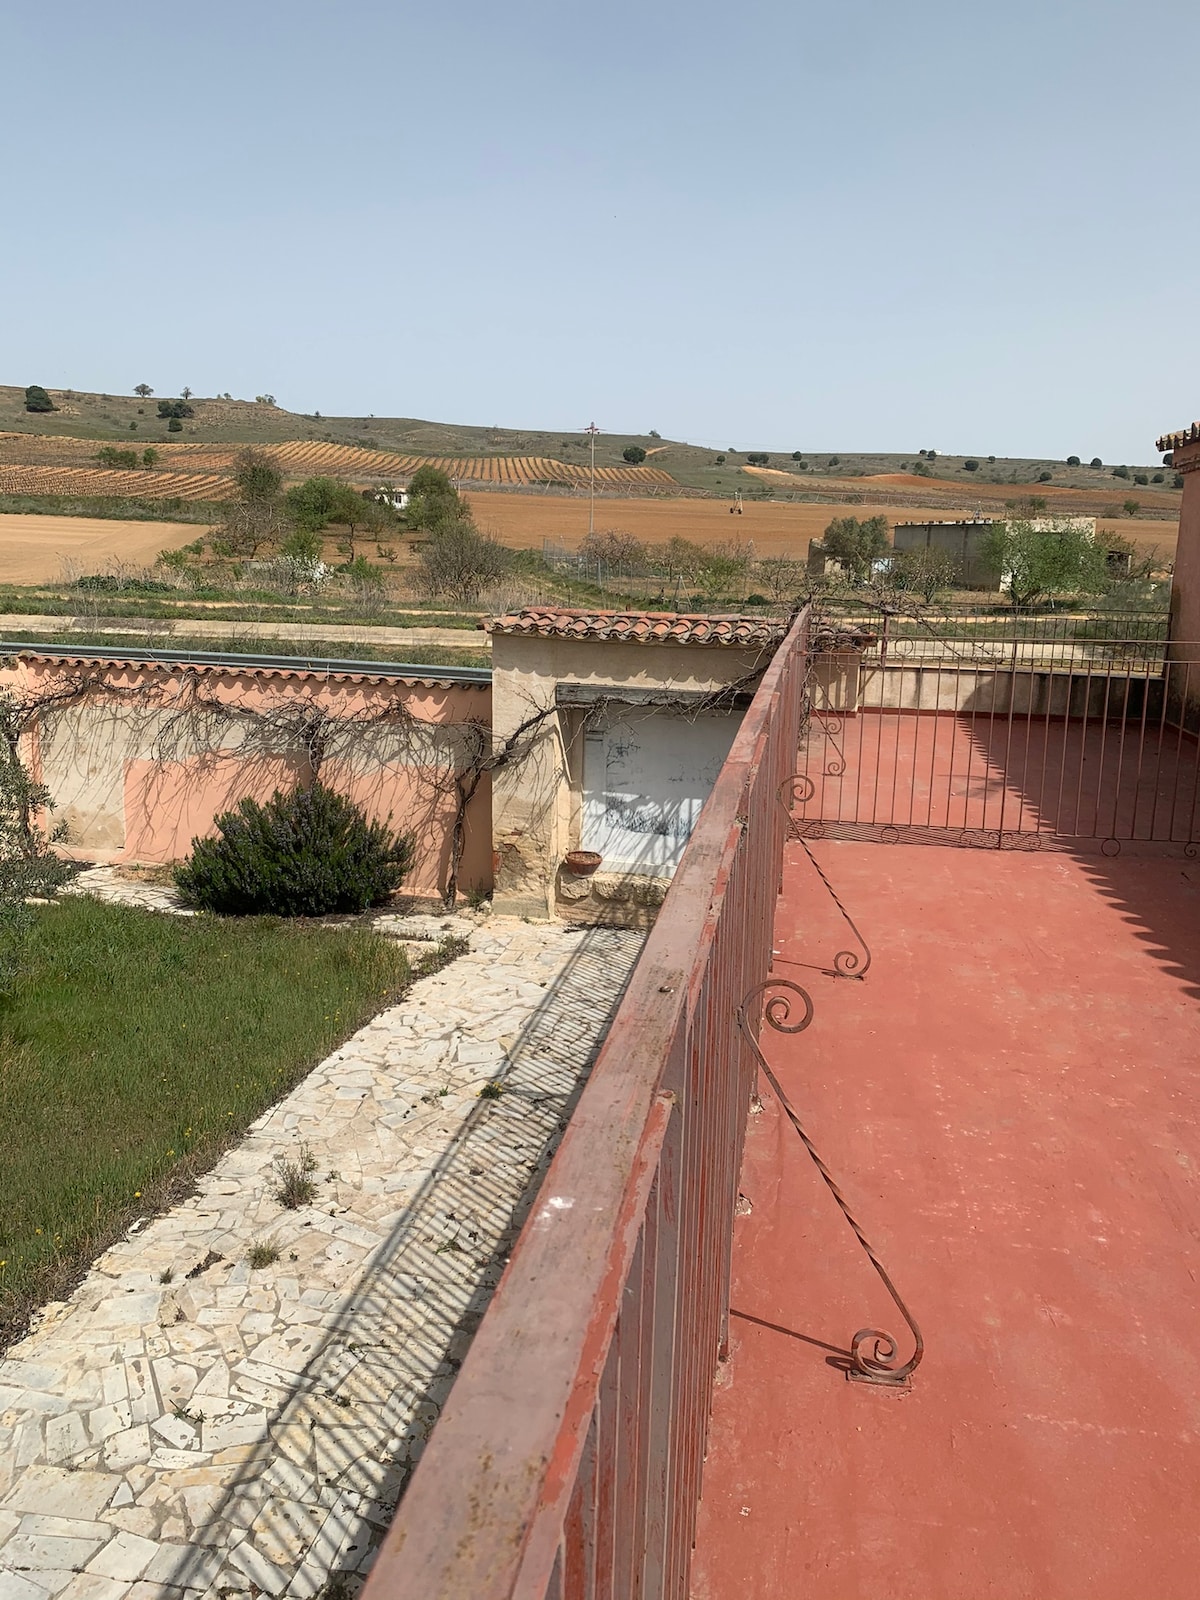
x,y
616,899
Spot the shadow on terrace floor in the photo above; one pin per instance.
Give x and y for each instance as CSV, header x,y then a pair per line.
x,y
1011,1104
325,1483
1040,783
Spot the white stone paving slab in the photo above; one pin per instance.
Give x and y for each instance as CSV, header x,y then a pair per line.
x,y
185,1425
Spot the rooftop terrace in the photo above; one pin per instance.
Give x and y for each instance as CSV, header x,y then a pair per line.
x,y
1011,1103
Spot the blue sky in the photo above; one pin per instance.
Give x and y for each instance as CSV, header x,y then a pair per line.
x,y
822,226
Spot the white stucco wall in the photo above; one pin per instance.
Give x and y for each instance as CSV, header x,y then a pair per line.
x,y
646,774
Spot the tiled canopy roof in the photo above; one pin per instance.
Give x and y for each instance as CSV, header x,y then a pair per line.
x,y
1176,441
640,627
234,669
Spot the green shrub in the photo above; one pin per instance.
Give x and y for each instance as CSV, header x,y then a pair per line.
x,y
174,425
970,466
109,455
634,454
1073,461
1045,477
1141,477
36,399
1095,462
306,853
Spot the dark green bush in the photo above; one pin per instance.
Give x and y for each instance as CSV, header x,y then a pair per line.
x,y
306,853
36,399
1073,461
634,454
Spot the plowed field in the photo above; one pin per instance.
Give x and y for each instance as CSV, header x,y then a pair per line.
x,y
524,521
109,481
37,549
307,458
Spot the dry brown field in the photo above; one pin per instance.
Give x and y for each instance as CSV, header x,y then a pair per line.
x,y
37,549
775,529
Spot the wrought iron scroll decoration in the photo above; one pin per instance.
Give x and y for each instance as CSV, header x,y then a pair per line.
x,y
873,1353
846,963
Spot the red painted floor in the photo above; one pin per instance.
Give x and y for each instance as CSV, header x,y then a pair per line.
x,y
1011,1099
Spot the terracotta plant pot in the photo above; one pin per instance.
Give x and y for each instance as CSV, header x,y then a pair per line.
x,y
582,862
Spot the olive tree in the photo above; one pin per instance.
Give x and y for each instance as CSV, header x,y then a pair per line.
x,y
1038,562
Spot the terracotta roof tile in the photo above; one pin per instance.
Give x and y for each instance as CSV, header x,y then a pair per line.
x,y
640,627
235,669
1176,441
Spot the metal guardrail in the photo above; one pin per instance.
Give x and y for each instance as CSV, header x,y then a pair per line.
x,y
221,658
567,1460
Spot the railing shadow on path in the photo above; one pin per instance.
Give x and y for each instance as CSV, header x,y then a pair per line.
x,y
324,1483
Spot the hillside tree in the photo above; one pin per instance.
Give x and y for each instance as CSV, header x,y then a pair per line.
x,y
142,390
433,502
857,544
1042,562
458,562
37,400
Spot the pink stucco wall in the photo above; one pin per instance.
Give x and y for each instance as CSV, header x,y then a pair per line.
x,y
139,767
1185,590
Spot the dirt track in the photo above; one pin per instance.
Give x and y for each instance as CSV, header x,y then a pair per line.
x,y
34,549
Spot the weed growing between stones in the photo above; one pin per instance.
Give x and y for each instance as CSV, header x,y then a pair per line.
x,y
263,1253
294,1186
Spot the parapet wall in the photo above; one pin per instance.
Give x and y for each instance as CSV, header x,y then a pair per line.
x,y
140,758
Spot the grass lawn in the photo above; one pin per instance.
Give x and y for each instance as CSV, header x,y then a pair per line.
x,y
134,1048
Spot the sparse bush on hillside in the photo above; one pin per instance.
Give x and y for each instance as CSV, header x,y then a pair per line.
x,y
927,572
634,454
1095,462
1073,461
459,562
1120,472
1159,477
109,455
757,458
149,456
781,576
175,408
174,425
613,548
256,475
1177,481
36,399
1043,562
654,433
1141,477
970,466
797,455
856,544
1045,477
433,501
1131,507
307,853
834,461
720,461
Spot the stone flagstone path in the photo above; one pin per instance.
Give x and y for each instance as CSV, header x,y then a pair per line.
x,y
186,1425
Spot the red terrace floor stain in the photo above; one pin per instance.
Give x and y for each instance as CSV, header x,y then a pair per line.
x,y
1011,1101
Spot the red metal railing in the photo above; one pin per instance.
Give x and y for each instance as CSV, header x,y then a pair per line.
x,y
567,1462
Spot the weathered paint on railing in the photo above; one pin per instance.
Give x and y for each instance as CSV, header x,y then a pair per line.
x,y
567,1462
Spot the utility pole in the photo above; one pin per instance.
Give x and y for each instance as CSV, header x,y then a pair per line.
x,y
592,430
